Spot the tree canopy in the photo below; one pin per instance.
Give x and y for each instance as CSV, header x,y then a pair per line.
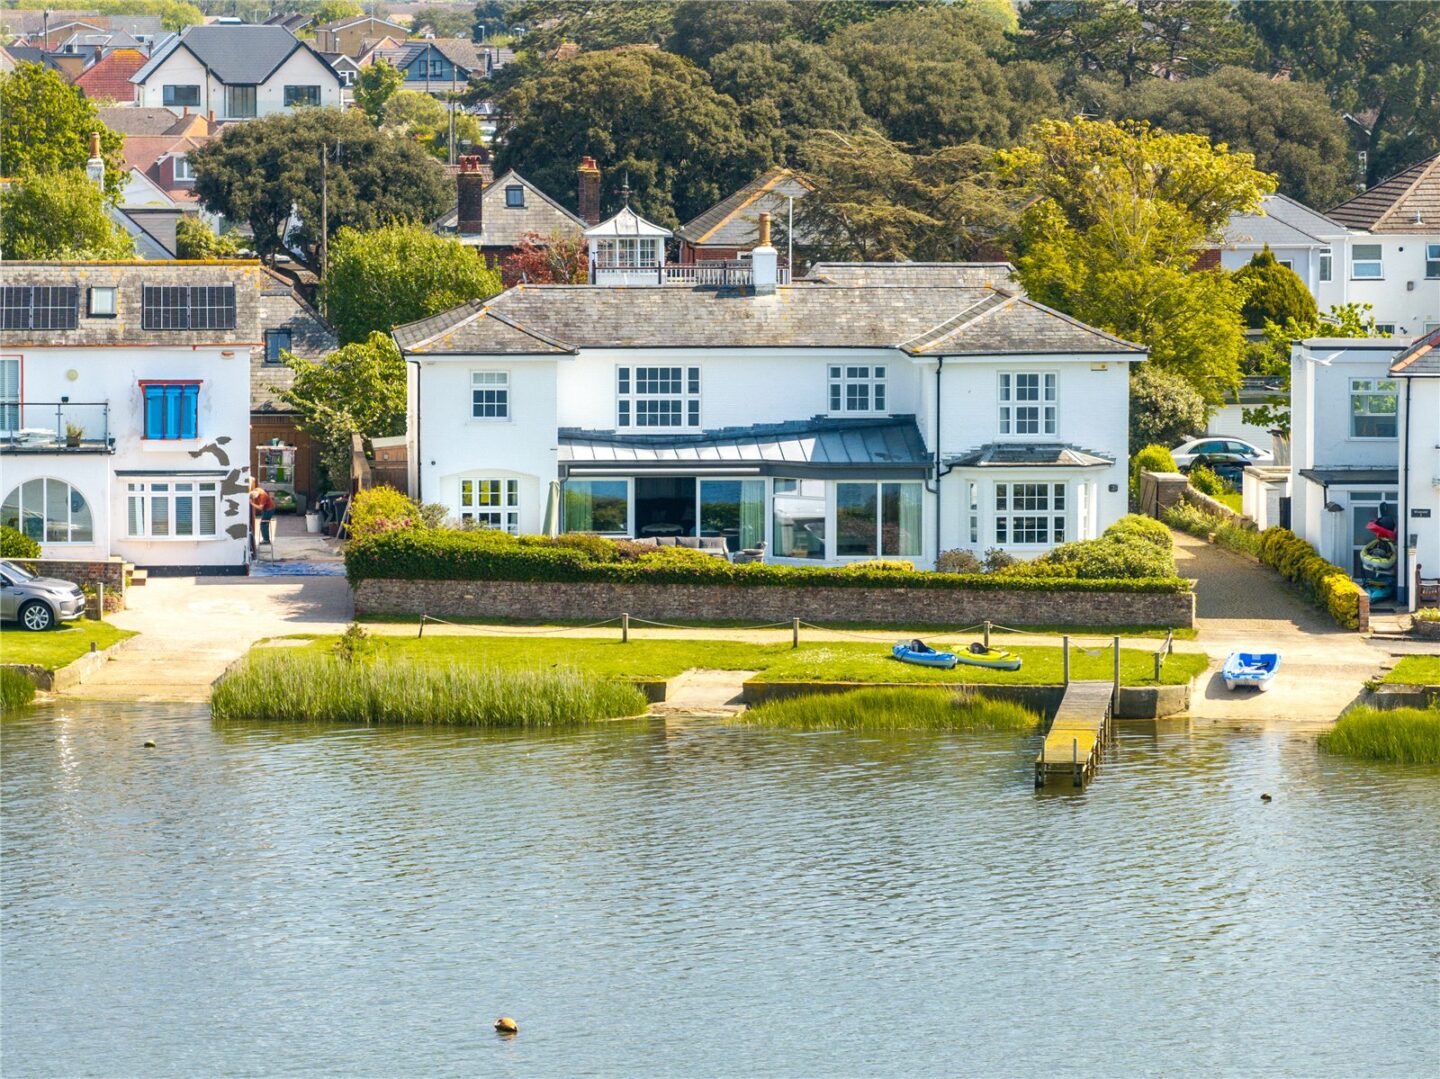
x,y
382,278
426,120
593,24
45,128
1275,293
650,114
374,87
257,171
59,215
1164,408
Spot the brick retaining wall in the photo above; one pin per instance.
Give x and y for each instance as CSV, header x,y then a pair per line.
x,y
664,602
109,571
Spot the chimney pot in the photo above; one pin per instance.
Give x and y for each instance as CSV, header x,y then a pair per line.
x,y
589,190
470,195
94,144
764,230
764,261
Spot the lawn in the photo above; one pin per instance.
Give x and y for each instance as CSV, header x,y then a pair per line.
x,y
57,647
830,662
1231,499
1415,671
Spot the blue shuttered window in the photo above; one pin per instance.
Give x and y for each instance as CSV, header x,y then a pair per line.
x,y
171,409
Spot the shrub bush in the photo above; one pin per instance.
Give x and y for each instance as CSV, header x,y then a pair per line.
x,y
1196,522
997,559
1327,584
1137,528
441,554
382,509
1150,459
1205,480
1426,614
958,560
879,565
1112,557
15,544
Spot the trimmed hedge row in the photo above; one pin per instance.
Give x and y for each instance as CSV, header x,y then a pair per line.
x,y
1326,583
446,555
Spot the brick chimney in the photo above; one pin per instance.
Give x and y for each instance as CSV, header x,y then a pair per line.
x,y
589,173
470,195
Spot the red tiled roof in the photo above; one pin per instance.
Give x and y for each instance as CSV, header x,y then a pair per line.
x,y
143,153
108,79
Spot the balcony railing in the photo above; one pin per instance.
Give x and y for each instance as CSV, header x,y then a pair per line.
x,y
55,426
718,273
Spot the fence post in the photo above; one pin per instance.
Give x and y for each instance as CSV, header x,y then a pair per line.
x,y
987,636
1065,658
422,627
794,633
625,629
1159,659
99,601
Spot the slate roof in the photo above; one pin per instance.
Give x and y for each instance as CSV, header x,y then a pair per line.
x,y
891,446
1281,222
734,221
130,120
460,51
282,308
627,223
237,54
506,226
108,79
921,320
1421,358
1351,477
1029,455
961,274
159,224
1407,202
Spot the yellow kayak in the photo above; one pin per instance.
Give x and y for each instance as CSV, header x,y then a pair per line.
x,y
977,655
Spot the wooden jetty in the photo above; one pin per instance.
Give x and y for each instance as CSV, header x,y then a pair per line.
x,y
1078,734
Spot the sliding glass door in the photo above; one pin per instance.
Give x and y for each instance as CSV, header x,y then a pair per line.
x,y
734,509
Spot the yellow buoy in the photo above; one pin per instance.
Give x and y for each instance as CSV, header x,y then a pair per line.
x,y
506,1025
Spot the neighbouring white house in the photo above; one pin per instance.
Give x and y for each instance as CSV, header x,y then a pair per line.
x,y
894,415
236,72
1416,371
125,409
1380,248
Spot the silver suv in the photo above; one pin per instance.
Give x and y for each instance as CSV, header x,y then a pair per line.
x,y
37,602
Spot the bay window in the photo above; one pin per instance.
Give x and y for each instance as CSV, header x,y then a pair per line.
x,y
1028,402
877,519
597,506
491,504
665,397
857,387
1028,514
798,507
172,509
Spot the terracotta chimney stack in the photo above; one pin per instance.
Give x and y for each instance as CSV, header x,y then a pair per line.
x,y
94,144
95,167
589,200
764,261
470,196
764,230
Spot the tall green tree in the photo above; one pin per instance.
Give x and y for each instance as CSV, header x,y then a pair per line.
x,y
1380,62
45,128
426,120
59,215
259,171
1116,215
1289,126
702,31
639,112
1134,40
1274,293
382,278
375,86
594,24
357,389
873,201
787,92
930,79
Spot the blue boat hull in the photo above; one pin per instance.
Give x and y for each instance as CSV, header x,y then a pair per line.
x,y
1250,670
905,654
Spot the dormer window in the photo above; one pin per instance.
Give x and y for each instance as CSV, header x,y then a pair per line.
x,y
183,172
628,252
515,196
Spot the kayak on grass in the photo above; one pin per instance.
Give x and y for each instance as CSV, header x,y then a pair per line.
x,y
977,655
921,654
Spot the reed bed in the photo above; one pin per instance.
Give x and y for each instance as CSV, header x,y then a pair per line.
x,y
892,710
16,691
1403,735
310,687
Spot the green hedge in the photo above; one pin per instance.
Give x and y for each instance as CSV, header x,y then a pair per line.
x,y
15,544
447,555
1326,583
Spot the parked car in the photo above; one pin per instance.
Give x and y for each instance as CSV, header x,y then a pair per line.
x,y
1210,446
37,603
1228,466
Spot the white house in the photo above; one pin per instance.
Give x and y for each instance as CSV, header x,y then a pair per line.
x,y
125,409
236,71
1416,371
894,415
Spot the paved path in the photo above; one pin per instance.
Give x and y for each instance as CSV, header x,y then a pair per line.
x,y
1241,604
192,628
705,692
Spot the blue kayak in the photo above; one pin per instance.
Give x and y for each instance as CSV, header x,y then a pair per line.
x,y
1254,670
920,653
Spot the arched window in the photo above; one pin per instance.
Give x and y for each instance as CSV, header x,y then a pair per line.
x,y
48,511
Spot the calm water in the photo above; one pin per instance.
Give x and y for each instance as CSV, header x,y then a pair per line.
x,y
705,901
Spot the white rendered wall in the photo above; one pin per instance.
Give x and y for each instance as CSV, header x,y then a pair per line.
x,y
1422,486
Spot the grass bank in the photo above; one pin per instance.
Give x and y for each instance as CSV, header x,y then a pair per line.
x,y
306,686
830,662
57,647
1415,671
1402,735
16,690
892,710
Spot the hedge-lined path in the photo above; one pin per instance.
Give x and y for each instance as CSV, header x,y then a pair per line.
x,y
192,628
1242,604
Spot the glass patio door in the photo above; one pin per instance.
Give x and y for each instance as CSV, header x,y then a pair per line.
x,y
734,509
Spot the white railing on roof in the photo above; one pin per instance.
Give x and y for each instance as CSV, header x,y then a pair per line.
x,y
718,273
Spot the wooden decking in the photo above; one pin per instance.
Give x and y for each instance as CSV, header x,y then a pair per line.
x,y
1077,734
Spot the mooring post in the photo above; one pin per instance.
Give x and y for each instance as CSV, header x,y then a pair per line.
x,y
1075,761
1115,693
625,629
987,636
794,633
1159,659
1065,658
422,626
